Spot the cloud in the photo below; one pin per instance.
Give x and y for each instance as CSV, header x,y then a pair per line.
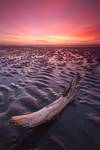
x,y
75,21
92,32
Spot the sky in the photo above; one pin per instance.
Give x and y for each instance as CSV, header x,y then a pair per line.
x,y
47,22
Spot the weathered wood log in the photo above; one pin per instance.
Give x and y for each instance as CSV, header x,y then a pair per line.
x,y
48,112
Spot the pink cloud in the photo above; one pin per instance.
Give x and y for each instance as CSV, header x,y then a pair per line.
x,y
27,18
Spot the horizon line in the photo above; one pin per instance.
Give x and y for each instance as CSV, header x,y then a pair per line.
x,y
44,45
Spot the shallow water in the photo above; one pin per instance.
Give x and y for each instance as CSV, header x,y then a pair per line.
x,y
32,77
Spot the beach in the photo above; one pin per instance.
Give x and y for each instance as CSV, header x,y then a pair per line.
x,y
33,77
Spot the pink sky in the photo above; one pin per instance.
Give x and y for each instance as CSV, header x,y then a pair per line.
x,y
49,22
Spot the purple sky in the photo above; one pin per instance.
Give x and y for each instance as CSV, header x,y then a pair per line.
x,y
49,22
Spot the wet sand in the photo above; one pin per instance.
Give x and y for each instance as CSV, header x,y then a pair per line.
x,y
32,77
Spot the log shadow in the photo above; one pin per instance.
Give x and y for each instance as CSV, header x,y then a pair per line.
x,y
32,138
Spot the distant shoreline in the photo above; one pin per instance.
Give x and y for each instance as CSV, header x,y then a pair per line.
x,y
87,45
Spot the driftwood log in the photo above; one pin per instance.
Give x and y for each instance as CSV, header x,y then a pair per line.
x,y
50,111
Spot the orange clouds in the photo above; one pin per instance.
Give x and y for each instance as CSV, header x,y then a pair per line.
x,y
49,21
91,32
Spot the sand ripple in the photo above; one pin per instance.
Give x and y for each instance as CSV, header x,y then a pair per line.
x,y
30,80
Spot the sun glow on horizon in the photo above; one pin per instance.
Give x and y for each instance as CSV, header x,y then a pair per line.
x,y
31,22
46,39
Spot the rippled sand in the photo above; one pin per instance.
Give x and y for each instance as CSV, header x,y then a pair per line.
x,y
32,77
